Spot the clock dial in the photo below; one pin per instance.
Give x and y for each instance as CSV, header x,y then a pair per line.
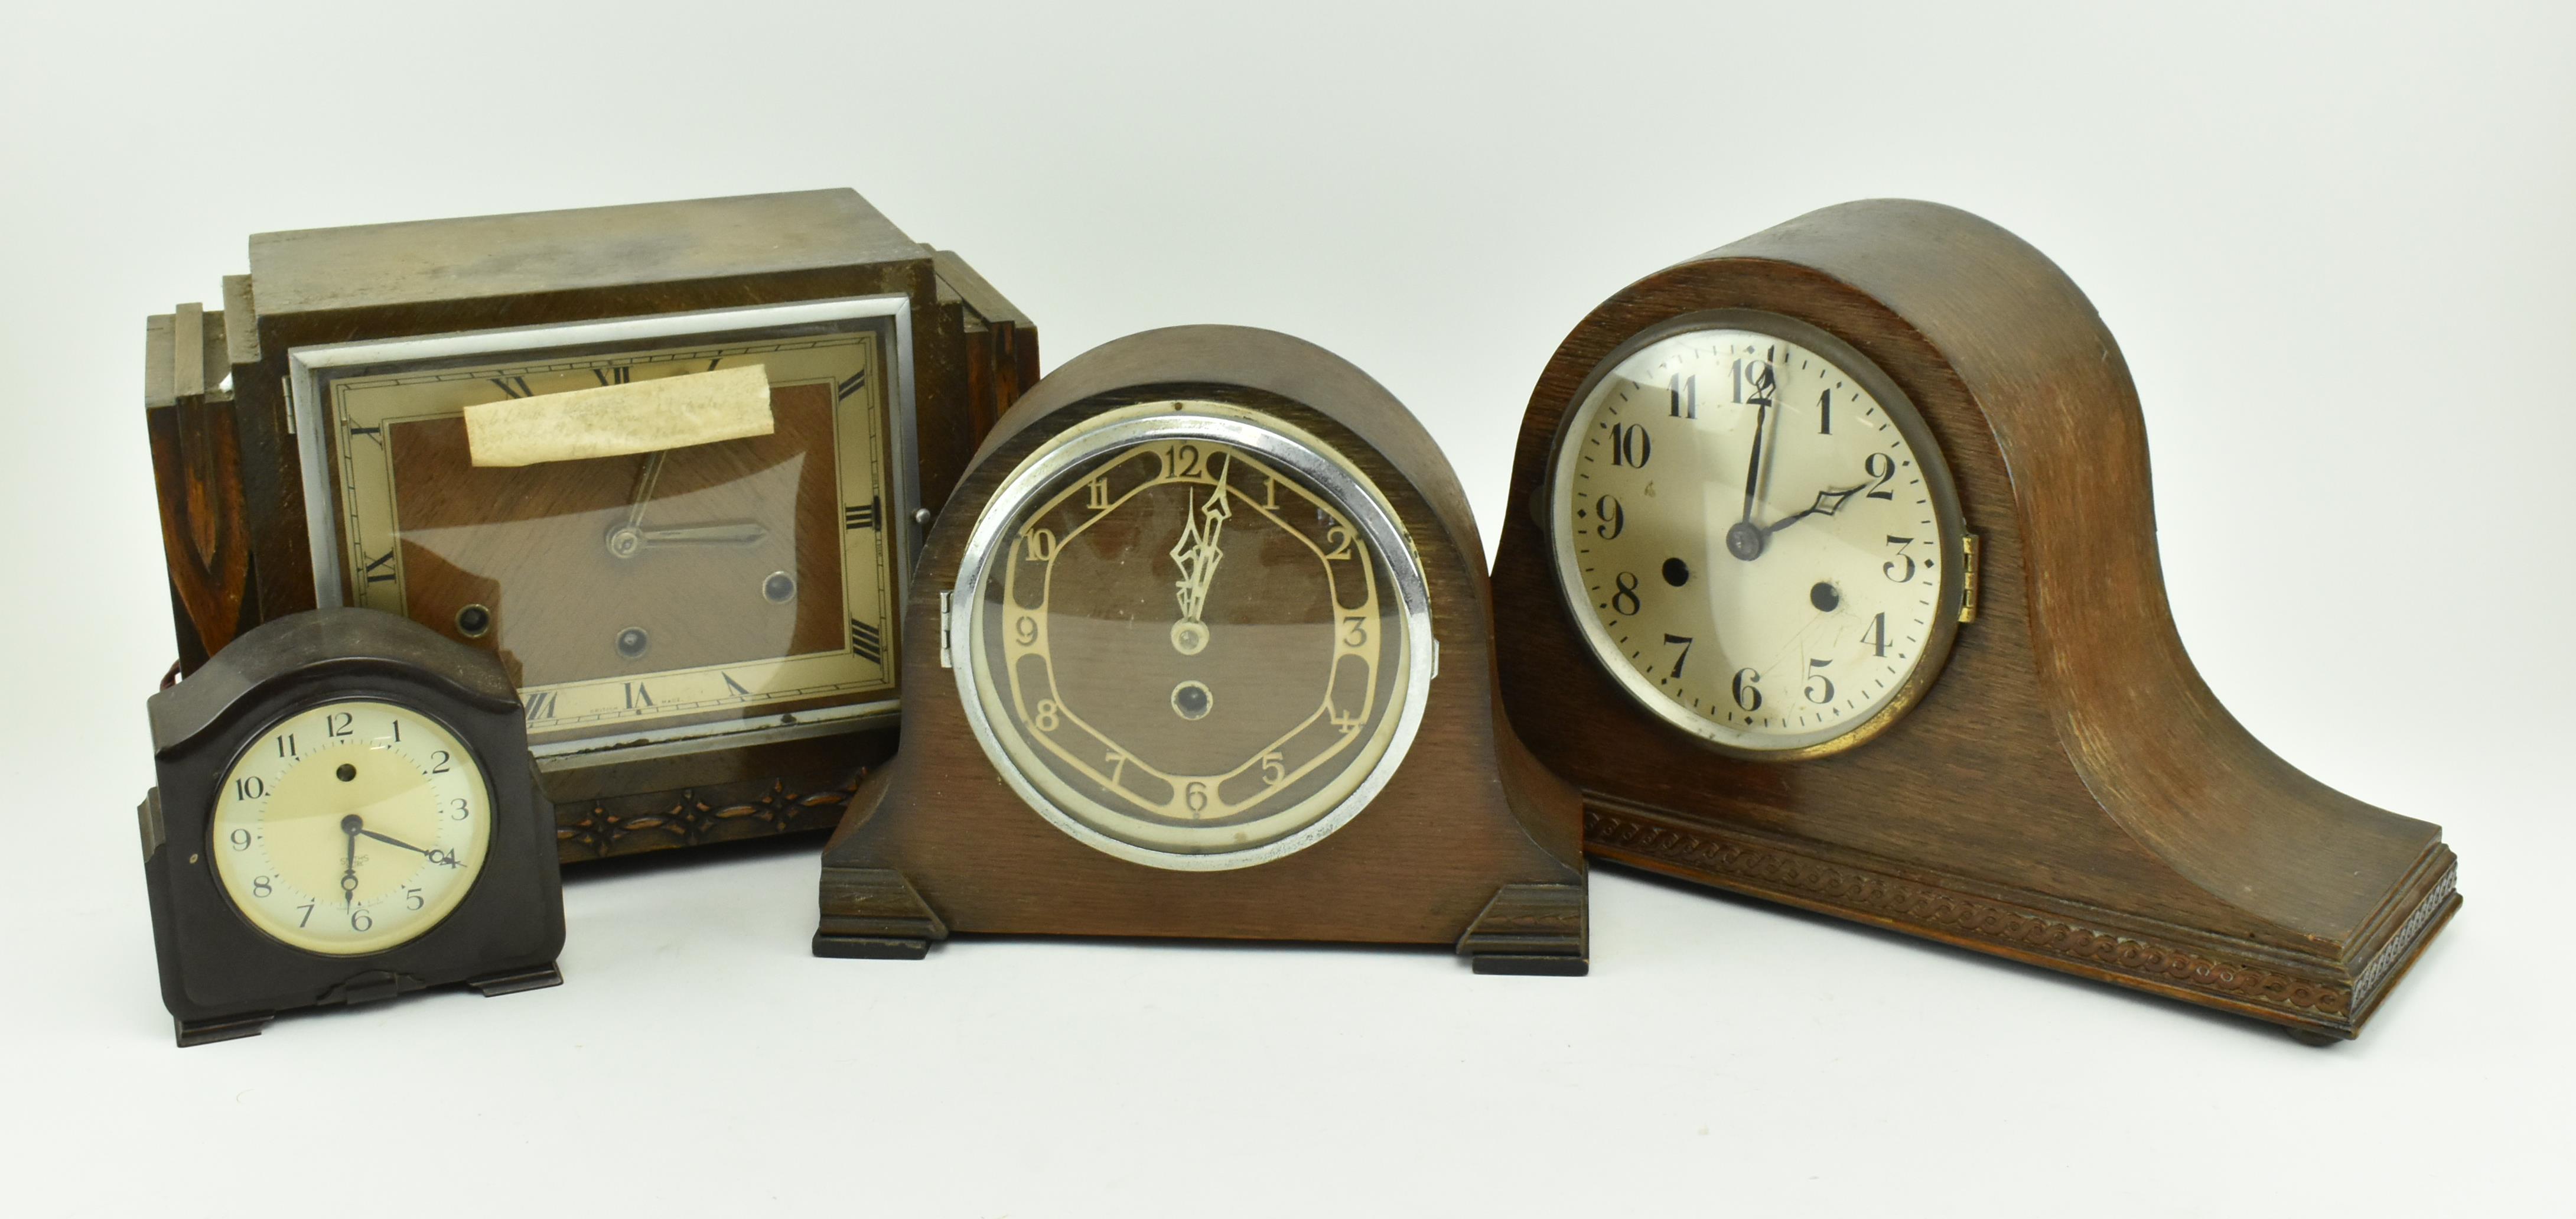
x,y
351,827
1756,536
655,592
1193,652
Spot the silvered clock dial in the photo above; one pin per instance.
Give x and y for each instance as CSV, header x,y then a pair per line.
x,y
1757,534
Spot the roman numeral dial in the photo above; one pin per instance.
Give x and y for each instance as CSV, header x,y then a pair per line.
x,y
676,592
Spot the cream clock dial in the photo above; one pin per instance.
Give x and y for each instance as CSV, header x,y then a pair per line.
x,y
351,827
1757,535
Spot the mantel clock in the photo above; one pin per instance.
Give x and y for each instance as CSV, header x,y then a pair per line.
x,y
703,630
344,812
1213,662
1829,576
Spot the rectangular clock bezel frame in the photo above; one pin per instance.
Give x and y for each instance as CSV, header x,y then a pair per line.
x,y
304,414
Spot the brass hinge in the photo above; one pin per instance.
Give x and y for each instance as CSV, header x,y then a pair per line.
x,y
944,595
1968,584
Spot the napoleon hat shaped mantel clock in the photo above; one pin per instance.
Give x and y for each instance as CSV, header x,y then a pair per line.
x,y
1830,576
703,630
1215,664
344,812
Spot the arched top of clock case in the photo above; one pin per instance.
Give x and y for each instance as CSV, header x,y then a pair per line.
x,y
1191,358
319,643
1962,313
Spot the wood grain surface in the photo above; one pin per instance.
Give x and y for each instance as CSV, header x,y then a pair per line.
x,y
2069,792
937,842
243,495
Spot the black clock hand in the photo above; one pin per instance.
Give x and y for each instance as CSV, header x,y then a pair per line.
x,y
1753,469
1827,503
351,826
395,841
1744,538
435,855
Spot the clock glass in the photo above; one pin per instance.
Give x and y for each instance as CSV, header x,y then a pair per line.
x,y
1757,535
1194,637
351,827
682,593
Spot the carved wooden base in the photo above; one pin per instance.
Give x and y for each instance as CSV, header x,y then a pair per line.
x,y
702,815
2318,997
874,914
1531,929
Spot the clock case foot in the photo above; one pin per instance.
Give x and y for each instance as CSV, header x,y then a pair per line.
x,y
2069,793
225,1028
492,986
874,914
1531,929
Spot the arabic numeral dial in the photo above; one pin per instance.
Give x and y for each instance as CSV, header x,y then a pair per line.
x,y
351,827
1755,534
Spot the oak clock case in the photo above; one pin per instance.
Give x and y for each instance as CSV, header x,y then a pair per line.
x,y
1195,596
345,811
704,635
1961,711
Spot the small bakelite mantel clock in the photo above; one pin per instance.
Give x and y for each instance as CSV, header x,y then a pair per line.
x,y
1829,576
345,811
703,632
1213,663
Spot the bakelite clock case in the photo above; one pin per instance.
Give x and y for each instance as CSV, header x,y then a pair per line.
x,y
2066,791
730,675
1061,751
221,976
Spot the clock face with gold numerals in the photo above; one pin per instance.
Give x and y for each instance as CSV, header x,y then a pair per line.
x,y
1193,638
1756,535
351,827
673,593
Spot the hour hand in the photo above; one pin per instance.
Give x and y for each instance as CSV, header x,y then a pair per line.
x,y
1827,503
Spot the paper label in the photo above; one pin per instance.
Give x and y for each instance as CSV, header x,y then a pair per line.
x,y
614,420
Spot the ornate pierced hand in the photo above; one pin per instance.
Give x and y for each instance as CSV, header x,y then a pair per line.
x,y
1827,503
1197,554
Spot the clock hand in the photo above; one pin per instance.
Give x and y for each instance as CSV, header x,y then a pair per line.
x,y
436,855
1744,538
741,533
1220,508
1197,554
351,826
1753,469
628,537
1188,553
644,488
1827,503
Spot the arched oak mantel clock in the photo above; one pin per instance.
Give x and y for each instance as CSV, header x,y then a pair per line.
x,y
1829,576
1215,662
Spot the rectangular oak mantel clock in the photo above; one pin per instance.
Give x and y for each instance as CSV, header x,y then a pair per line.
x,y
499,427
1830,576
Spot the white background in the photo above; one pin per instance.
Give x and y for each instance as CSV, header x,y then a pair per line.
x,y
2334,242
